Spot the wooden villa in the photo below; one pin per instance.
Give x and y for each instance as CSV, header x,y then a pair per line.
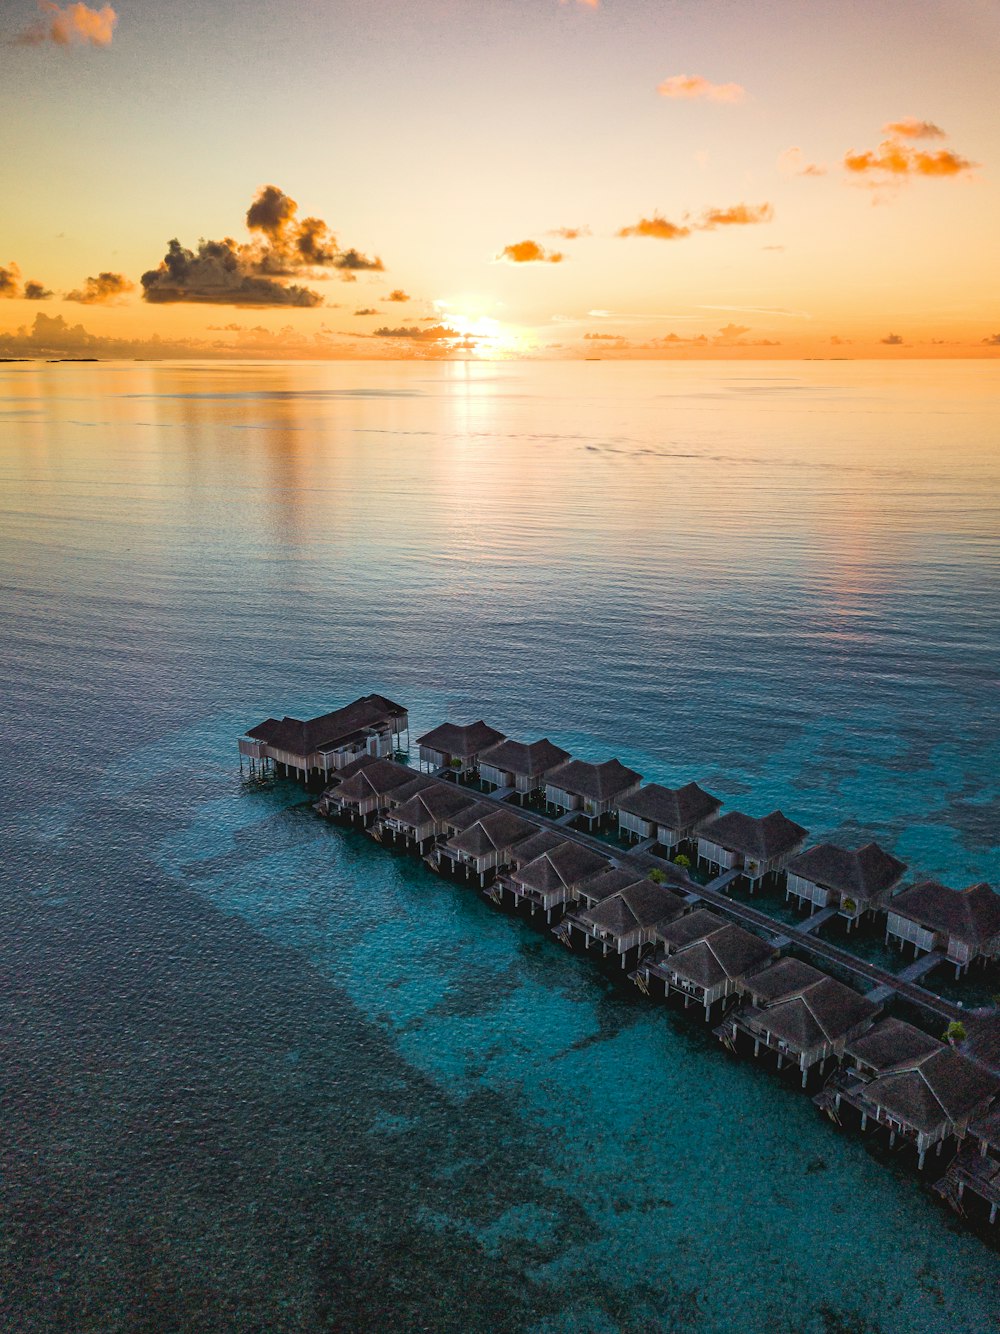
x,y
855,882
703,958
424,816
371,725
624,921
456,747
367,792
976,1167
756,846
671,815
521,765
483,847
963,923
920,1089
592,789
799,1013
552,880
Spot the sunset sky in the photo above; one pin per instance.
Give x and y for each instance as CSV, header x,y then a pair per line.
x,y
629,178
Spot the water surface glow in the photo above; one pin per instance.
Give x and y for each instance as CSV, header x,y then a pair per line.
x,y
263,1075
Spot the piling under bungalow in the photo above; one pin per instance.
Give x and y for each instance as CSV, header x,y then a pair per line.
x,y
507,817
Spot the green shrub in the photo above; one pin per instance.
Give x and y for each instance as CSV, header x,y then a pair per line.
x,y
955,1032
657,876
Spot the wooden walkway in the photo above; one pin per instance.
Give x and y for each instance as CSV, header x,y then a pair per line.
x,y
675,877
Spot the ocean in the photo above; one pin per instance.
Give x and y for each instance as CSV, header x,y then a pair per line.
x,y
260,1075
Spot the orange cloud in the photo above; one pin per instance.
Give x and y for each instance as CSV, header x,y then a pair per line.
x,y
10,281
739,215
692,86
530,252
76,25
570,233
105,287
894,159
661,228
911,128
892,340
366,310
436,334
792,162
397,294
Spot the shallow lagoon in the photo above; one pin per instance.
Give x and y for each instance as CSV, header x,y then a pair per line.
x,y
264,1075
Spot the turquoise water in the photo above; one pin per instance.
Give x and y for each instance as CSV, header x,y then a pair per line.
x,y
262,1075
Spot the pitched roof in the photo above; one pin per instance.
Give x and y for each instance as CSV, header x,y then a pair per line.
x,y
987,1128
718,952
418,783
944,1086
641,904
543,840
330,729
524,757
599,782
864,873
432,804
460,740
467,816
804,1006
561,867
971,914
494,832
672,807
890,1044
692,926
372,780
757,837
606,883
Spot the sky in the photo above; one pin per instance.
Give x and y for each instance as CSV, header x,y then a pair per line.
x,y
500,178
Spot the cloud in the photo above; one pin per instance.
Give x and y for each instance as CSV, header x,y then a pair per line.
x,y
892,340
397,294
585,4
530,252
234,273
911,128
837,341
10,281
792,162
604,338
76,25
691,86
570,233
366,310
436,334
656,226
739,215
731,333
11,289
896,160
993,340
104,288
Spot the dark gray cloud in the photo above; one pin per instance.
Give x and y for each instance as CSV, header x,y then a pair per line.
x,y
892,340
36,292
435,334
251,273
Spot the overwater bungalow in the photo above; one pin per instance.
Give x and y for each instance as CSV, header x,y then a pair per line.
x,y
425,815
366,793
520,765
457,747
854,881
703,958
976,1166
624,921
920,1089
963,923
542,840
552,880
799,1013
671,815
592,789
483,847
756,846
371,725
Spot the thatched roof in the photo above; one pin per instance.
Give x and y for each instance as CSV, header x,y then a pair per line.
x,y
798,1003
330,729
639,905
461,741
971,915
709,950
543,840
862,873
431,804
758,837
941,1087
891,1044
371,781
527,759
671,807
561,867
606,883
492,833
599,782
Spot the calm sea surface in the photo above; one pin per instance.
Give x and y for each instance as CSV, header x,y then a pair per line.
x,y
258,1074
